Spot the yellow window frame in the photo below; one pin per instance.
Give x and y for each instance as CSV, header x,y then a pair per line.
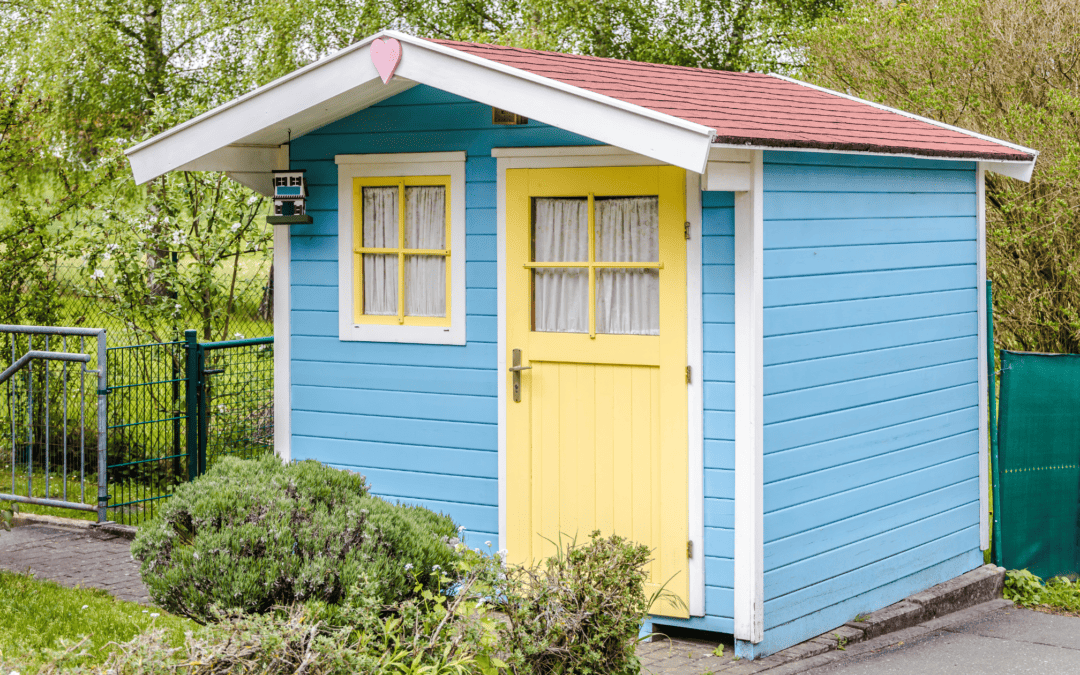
x,y
359,250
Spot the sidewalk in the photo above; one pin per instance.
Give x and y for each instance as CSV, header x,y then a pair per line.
x,y
74,557
1008,641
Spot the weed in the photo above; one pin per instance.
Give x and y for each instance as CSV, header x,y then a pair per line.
x,y
719,651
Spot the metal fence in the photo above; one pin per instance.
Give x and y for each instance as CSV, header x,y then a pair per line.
x,y
115,447
147,430
54,420
233,408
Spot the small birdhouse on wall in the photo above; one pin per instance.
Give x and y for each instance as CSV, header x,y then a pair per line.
x,y
290,197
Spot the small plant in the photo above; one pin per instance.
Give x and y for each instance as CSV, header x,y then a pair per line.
x,y
1023,588
719,651
1028,590
251,535
579,611
841,642
859,618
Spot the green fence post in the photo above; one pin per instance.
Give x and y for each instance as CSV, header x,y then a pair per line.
x,y
191,382
204,420
995,538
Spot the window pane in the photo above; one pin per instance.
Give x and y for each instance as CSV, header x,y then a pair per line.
x,y
381,217
425,285
425,218
628,302
380,284
628,229
561,300
560,230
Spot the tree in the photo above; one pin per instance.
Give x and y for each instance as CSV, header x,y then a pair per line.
x,y
1005,68
113,72
721,34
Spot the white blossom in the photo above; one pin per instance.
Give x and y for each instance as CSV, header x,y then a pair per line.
x,y
408,566
178,238
86,606
98,274
435,568
488,544
154,615
235,227
461,528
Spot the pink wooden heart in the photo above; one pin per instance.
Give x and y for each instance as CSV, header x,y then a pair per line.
x,y
385,54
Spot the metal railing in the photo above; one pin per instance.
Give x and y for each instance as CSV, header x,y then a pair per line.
x,y
39,415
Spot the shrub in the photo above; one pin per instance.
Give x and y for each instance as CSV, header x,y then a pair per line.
x,y
1027,590
580,611
250,535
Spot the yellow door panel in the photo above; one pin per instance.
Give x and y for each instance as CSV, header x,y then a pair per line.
x,y
598,439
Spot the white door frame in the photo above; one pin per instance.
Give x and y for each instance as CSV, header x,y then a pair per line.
x,y
604,155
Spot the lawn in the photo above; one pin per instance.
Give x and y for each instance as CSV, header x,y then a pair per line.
x,y
36,616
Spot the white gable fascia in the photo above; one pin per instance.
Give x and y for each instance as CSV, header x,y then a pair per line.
x,y
230,137
1015,169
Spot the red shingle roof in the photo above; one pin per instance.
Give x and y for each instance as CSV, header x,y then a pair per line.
x,y
749,108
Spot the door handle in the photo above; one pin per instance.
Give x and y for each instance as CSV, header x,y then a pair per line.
x,y
516,369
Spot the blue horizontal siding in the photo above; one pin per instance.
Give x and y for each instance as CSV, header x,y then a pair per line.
x,y
420,421
871,384
718,390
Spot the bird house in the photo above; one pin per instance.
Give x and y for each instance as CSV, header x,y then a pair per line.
x,y
290,192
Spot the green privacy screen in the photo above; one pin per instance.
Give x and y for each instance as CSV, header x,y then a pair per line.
x,y
1039,463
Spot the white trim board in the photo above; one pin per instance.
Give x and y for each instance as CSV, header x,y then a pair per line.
x,y
282,343
984,356
749,407
404,164
596,156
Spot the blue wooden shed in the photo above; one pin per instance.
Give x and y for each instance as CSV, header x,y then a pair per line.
x,y
733,316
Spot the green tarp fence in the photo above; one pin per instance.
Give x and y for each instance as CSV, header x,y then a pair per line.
x,y
1037,495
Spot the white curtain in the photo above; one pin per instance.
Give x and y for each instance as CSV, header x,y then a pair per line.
x,y
561,296
627,300
425,228
380,231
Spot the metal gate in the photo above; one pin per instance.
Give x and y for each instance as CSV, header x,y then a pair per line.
x,y
54,420
115,447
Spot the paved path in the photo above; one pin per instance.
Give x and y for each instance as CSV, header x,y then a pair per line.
x,y
1010,641
74,557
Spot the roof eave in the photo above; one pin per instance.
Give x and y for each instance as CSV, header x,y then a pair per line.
x,y
346,82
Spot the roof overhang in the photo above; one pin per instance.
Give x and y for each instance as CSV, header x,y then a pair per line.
x,y
247,137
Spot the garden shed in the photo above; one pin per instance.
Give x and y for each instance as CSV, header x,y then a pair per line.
x,y
733,316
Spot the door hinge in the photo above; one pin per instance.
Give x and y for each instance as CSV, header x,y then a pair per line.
x,y
686,230
689,379
690,549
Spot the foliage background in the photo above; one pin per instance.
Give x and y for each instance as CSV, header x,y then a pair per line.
x,y
1008,69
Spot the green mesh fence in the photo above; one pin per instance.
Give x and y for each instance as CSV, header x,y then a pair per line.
x,y
238,396
1038,469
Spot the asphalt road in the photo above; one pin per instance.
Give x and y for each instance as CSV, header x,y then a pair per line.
x,y
1006,642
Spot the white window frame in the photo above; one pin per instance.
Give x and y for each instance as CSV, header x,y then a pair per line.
x,y
401,164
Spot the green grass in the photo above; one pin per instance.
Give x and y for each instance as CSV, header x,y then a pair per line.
x,y
56,485
36,616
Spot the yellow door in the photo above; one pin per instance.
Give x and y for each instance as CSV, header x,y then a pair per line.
x,y
596,312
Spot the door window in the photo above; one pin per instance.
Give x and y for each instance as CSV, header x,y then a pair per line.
x,y
616,289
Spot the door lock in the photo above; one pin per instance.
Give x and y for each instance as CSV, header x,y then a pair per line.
x,y
516,369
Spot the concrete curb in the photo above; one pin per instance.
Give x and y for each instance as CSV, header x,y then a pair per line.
x,y
87,526
960,599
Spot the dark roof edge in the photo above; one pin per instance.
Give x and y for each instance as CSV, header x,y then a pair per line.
x,y
737,141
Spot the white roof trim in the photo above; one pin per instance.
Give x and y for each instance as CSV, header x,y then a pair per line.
x,y
346,82
1007,170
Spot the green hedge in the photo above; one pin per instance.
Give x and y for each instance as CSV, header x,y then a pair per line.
x,y
254,534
